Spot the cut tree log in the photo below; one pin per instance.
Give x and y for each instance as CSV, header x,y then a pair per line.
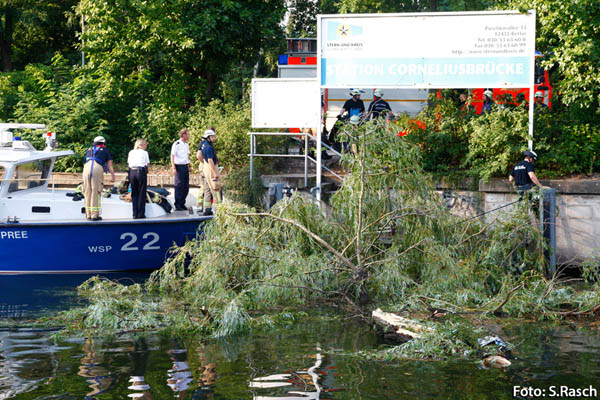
x,y
396,328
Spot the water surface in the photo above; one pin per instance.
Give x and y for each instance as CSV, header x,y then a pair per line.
x,y
316,359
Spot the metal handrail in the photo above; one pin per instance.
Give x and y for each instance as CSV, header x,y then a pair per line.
x,y
327,169
306,157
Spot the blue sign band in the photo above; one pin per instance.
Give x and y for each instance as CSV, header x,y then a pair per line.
x,y
426,72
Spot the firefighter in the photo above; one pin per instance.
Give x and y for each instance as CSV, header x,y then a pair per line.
x,y
138,162
97,161
180,160
206,200
539,104
378,107
354,105
488,101
211,172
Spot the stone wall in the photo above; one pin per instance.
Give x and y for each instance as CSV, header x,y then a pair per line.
x,y
577,215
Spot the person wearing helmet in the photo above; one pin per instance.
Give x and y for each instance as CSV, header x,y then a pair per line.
x,y
354,105
378,107
212,184
539,104
523,174
180,160
207,196
488,101
97,161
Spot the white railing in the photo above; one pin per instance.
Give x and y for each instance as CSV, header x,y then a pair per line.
x,y
306,136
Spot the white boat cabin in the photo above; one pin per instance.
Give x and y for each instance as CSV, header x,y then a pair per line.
x,y
27,190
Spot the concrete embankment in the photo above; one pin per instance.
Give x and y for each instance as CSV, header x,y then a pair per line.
x,y
577,214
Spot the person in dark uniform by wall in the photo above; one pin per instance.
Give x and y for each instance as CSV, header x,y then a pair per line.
x,y
379,107
97,161
138,162
523,174
180,160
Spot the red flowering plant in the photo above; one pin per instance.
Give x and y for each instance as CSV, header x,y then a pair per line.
x,y
406,125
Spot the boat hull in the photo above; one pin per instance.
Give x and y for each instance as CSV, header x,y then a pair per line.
x,y
65,247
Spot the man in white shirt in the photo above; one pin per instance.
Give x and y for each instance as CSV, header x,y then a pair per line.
x,y
180,160
138,162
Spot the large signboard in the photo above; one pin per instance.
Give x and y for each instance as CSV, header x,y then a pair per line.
x,y
285,103
427,50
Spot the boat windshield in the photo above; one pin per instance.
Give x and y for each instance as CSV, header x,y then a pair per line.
x,y
30,175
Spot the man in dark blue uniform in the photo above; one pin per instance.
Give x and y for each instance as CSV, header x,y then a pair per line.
x,y
211,172
378,107
523,174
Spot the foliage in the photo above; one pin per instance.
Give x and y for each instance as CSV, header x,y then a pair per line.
x,y
239,188
31,31
452,338
442,134
566,34
159,125
231,122
179,48
570,146
496,140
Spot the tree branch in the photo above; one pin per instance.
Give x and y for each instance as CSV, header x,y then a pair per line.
x,y
314,236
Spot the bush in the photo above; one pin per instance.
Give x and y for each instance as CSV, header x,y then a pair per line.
x,y
239,188
570,145
496,141
441,133
231,121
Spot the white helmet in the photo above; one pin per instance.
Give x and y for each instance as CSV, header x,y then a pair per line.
x,y
355,120
539,94
354,92
488,93
99,139
378,93
208,132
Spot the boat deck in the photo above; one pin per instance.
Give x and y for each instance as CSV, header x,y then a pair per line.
x,y
175,216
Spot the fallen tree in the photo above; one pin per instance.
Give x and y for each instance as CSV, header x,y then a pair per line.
x,y
389,242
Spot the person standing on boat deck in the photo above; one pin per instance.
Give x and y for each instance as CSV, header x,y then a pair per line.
x,y
211,172
138,162
205,201
97,161
180,160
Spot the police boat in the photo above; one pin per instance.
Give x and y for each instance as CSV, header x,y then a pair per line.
x,y
42,230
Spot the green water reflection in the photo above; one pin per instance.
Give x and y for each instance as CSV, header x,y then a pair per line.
x,y
318,359
314,360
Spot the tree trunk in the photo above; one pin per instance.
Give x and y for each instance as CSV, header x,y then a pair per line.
x,y
6,34
210,84
433,5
